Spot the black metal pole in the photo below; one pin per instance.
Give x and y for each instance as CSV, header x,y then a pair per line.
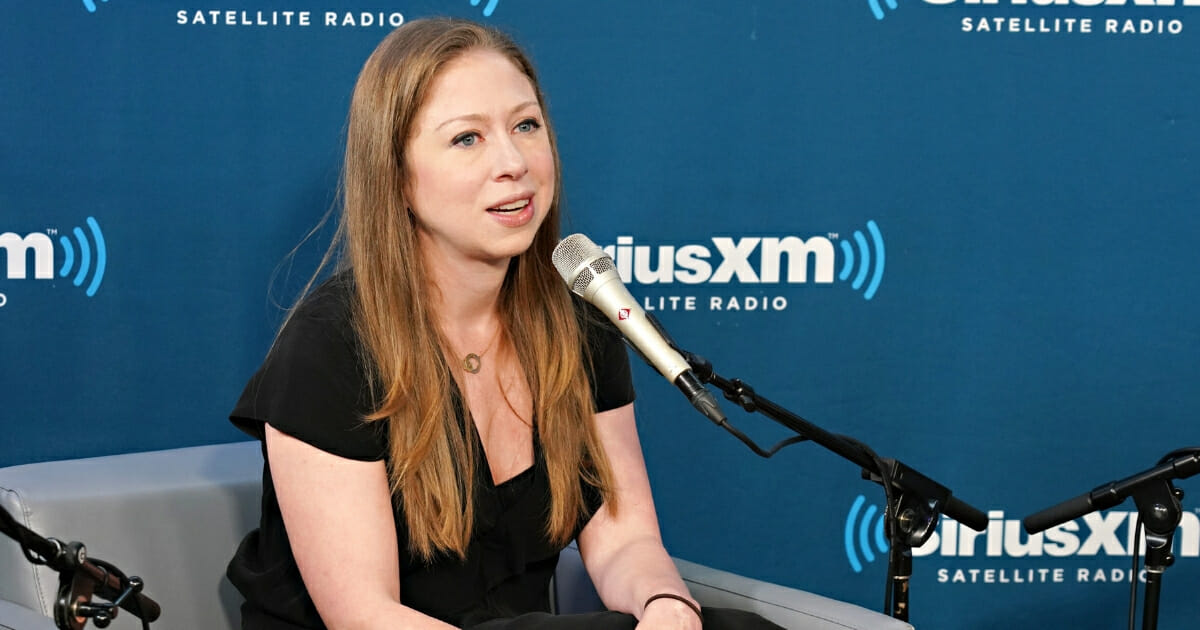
x,y
1150,605
1160,508
900,559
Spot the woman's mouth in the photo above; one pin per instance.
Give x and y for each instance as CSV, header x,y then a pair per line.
x,y
515,206
514,213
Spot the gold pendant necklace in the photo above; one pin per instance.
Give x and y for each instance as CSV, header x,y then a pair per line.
x,y
473,361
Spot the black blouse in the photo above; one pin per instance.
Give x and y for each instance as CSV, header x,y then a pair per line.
x,y
312,386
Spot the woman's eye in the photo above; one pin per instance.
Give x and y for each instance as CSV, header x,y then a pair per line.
x,y
466,139
528,125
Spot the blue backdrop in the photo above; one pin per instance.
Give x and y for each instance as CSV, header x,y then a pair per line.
x,y
962,232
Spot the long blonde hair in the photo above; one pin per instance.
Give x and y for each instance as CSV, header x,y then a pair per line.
x,y
432,464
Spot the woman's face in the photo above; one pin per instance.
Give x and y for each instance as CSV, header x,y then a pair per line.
x,y
481,170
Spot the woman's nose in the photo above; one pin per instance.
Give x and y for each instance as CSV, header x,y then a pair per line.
x,y
510,160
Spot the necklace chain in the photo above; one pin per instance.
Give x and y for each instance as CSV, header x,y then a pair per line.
x,y
474,361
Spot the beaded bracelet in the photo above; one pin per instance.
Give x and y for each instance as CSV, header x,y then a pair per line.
x,y
690,603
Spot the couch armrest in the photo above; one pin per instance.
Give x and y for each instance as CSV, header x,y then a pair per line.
x,y
16,617
791,608
788,607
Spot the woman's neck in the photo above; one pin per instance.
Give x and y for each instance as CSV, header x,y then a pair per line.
x,y
467,294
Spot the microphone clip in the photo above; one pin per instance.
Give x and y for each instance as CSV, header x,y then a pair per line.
x,y
73,606
79,578
915,513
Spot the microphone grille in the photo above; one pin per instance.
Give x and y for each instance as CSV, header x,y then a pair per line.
x,y
579,260
582,281
602,264
570,253
593,268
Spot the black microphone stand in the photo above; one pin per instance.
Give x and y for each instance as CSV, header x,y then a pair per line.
x,y
79,578
1160,509
911,517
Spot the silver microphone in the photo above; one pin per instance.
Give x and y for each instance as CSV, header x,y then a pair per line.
x,y
592,275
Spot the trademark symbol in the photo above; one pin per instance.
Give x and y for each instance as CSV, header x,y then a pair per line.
x,y
52,231
833,236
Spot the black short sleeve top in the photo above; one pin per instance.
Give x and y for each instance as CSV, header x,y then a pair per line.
x,y
313,386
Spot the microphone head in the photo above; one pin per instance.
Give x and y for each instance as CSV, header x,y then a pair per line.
x,y
579,261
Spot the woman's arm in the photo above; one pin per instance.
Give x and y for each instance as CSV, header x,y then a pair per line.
x,y
338,514
624,555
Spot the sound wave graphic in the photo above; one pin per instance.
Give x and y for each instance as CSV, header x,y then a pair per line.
x,y
878,10
487,10
86,257
858,534
90,5
865,260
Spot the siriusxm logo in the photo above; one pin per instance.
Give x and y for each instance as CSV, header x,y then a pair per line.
x,y
1078,3
488,8
877,10
81,257
757,260
859,535
1108,533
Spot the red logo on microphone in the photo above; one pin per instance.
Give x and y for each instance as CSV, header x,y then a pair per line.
x,y
623,314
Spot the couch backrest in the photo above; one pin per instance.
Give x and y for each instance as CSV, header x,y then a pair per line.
x,y
175,518
171,517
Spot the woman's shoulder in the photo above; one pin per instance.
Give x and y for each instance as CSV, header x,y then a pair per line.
x,y
328,301
321,327
313,384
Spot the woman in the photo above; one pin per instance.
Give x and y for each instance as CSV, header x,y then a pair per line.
x,y
433,407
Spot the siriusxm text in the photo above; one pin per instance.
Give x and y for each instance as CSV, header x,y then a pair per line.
x,y
17,248
747,260
1099,533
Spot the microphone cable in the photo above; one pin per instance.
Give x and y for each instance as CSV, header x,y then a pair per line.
x,y
1133,573
753,446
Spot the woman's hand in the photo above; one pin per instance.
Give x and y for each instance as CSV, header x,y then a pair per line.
x,y
668,614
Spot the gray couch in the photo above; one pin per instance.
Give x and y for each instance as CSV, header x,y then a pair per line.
x,y
174,518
